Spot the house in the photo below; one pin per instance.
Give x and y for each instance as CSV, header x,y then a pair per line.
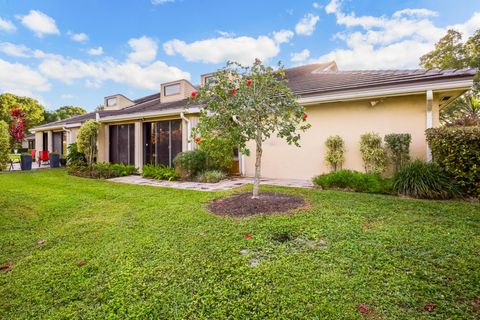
x,y
153,129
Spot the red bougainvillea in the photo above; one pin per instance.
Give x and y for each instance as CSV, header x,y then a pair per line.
x,y
18,125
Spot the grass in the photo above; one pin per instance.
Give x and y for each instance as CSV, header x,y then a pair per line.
x,y
156,253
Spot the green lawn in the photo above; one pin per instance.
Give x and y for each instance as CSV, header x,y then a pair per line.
x,y
156,253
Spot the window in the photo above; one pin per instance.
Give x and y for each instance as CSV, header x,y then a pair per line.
x,y
111,102
211,79
172,89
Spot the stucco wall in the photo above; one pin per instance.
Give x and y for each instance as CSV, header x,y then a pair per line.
x,y
349,120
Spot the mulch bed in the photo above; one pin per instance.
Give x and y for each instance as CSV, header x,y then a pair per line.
x,y
243,204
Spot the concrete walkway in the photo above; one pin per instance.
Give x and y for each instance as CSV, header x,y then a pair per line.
x,y
222,185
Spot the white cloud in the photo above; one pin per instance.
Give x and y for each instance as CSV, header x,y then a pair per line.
x,y
415,12
15,50
282,36
387,42
7,25
307,24
67,96
20,79
301,56
316,5
226,34
95,51
332,6
39,23
242,49
155,2
79,37
144,50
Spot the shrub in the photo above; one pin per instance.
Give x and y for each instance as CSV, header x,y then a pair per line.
x,y
159,172
75,157
335,152
4,145
219,151
398,146
211,176
373,154
457,151
87,140
354,181
189,164
101,170
424,180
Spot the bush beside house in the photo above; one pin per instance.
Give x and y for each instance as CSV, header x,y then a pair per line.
x,y
4,145
457,151
373,153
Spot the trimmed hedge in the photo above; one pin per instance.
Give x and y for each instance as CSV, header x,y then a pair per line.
x,y
353,181
457,151
102,170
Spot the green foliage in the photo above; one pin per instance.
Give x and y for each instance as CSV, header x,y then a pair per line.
x,y
211,176
31,107
354,181
62,113
457,151
451,53
4,145
75,157
424,180
87,140
219,151
147,249
189,164
373,154
159,172
335,152
102,170
249,104
398,146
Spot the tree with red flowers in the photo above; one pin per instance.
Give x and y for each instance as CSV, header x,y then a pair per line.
x,y
249,103
18,125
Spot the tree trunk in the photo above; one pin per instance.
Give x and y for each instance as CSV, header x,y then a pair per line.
x,y
258,164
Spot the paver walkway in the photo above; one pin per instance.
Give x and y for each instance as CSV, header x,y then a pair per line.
x,y
222,185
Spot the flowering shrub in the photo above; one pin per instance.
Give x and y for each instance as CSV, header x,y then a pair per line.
x,y
17,126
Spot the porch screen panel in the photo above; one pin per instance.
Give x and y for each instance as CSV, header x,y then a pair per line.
x,y
122,144
163,142
57,142
175,138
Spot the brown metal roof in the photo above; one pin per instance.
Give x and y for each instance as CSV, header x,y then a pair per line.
x,y
305,80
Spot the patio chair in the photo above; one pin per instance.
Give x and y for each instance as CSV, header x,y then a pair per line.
x,y
43,156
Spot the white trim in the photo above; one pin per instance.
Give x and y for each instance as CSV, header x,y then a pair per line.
x,y
71,125
151,114
385,92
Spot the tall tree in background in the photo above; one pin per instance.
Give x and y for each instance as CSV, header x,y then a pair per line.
x,y
31,107
62,113
246,104
451,53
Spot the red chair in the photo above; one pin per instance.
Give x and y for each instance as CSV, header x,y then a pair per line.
x,y
43,157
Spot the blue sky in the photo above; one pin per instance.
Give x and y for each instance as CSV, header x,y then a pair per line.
x,y
77,52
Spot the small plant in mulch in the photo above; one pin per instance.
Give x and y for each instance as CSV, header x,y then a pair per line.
x,y
244,205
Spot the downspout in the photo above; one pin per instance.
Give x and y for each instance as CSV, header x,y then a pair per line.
x,y
189,131
429,119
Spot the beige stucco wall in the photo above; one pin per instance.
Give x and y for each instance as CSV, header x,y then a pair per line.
x,y
349,120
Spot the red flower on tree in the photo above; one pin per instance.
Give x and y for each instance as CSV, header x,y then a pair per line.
x,y
305,116
194,94
234,91
249,82
198,139
18,125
